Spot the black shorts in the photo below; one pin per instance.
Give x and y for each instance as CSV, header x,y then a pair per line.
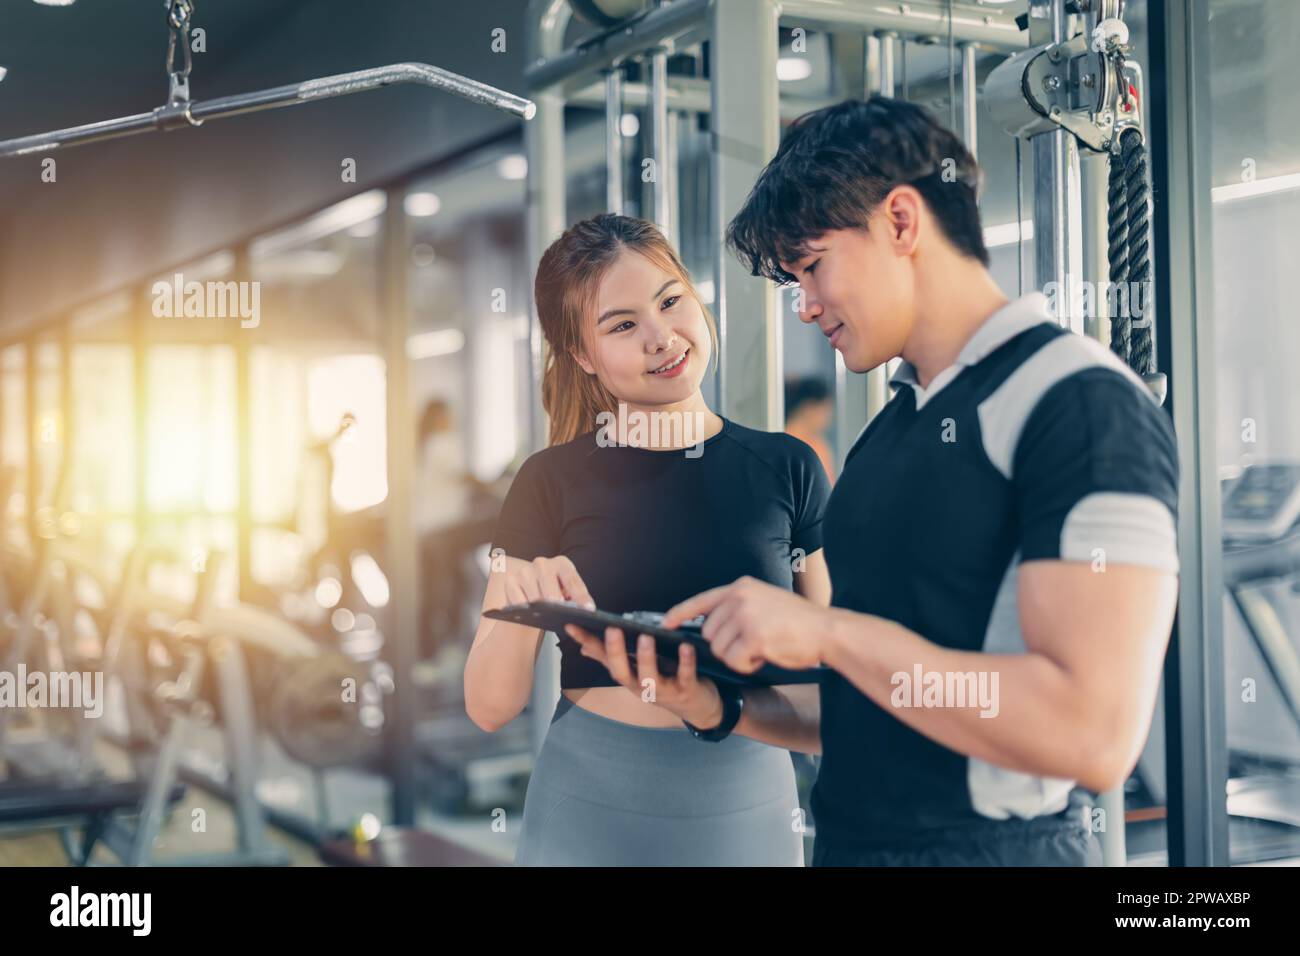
x,y
1046,841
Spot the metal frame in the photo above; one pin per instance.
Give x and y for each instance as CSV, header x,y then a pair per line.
x,y
545,22
614,140
1194,691
243,352
1070,241
402,556
293,94
745,133
1194,695
744,108
1057,241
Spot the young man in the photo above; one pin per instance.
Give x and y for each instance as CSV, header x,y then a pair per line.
x,y
1001,539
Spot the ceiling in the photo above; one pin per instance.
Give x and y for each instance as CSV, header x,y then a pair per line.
x,y
123,207
100,58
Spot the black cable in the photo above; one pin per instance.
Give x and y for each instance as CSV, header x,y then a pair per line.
x,y
1117,253
1137,202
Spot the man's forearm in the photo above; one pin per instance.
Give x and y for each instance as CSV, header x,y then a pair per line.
x,y
1037,725
787,717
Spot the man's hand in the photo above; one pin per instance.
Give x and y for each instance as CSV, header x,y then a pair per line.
x,y
692,698
749,623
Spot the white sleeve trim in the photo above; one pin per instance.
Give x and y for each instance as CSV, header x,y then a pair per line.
x,y
1121,529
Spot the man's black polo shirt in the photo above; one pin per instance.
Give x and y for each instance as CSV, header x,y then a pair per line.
x,y
1037,443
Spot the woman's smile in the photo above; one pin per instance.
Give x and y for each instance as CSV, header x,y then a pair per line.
x,y
673,367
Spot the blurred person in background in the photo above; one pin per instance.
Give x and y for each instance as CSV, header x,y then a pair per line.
x,y
809,410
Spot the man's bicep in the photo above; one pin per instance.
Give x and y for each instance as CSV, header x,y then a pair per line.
x,y
1108,629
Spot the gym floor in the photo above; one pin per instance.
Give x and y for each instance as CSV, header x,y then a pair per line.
x,y
43,847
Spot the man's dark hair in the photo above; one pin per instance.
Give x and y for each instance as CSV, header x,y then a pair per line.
x,y
834,167
801,391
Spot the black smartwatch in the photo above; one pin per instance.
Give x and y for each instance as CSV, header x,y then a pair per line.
x,y
733,702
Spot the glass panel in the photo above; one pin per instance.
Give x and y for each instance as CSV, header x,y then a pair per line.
x,y
105,429
351,385
319,277
278,391
469,302
48,420
1254,204
191,431
13,430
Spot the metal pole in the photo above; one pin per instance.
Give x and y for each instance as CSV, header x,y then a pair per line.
x,y
672,182
685,95
68,424
875,384
887,40
140,407
870,64
293,94
1182,244
402,554
1093,168
31,370
853,391
969,118
545,21
1051,153
989,26
243,349
663,162
1056,251
745,134
560,66
1093,174
614,141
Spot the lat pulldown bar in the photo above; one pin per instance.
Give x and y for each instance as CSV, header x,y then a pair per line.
x,y
178,115
180,112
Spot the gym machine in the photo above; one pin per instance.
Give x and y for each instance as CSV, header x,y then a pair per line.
x,y
180,112
1261,538
1067,86
59,781
178,665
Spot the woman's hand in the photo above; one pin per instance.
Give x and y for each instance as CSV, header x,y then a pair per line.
x,y
543,579
693,698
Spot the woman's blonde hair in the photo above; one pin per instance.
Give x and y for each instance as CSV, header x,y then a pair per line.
x,y
566,292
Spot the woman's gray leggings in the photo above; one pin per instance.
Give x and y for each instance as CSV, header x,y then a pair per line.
x,y
606,793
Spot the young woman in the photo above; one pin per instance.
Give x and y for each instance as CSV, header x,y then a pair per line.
x,y
625,515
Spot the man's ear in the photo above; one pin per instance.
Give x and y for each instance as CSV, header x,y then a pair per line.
x,y
582,362
902,212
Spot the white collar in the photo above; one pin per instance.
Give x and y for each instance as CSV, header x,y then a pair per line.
x,y
999,328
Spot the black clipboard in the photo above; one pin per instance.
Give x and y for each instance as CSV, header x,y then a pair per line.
x,y
554,615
